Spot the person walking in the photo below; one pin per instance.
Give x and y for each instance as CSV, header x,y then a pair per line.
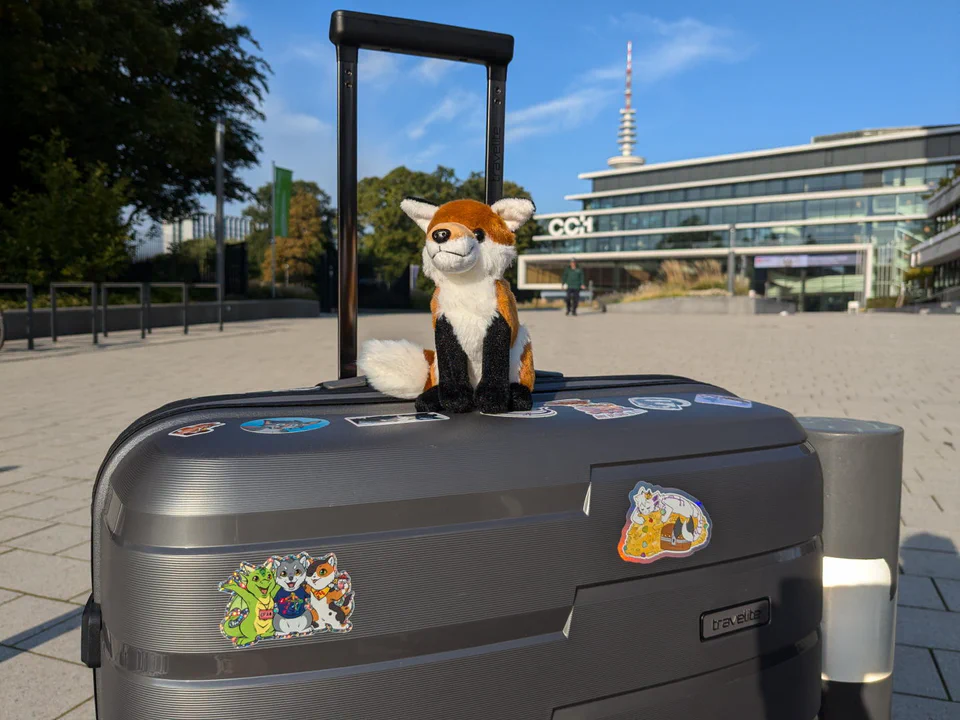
x,y
572,280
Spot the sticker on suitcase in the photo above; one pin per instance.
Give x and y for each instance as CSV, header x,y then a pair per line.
x,y
197,429
535,412
598,410
285,597
663,522
402,419
659,403
284,425
722,400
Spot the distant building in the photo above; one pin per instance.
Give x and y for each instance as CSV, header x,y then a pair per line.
x,y
202,225
941,252
824,223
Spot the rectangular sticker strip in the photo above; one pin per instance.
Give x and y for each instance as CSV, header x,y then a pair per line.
x,y
401,419
722,400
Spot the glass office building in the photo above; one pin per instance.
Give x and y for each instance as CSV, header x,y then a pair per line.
x,y
827,222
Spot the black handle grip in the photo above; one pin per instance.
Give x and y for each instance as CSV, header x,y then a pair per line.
x,y
414,37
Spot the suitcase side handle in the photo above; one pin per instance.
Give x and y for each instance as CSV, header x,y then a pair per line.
x,y
351,31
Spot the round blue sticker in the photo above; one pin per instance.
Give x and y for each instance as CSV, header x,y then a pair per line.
x,y
284,426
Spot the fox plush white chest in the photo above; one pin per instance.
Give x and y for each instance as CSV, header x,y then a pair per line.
x,y
484,357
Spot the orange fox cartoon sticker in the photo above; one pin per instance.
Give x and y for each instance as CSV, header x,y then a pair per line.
x,y
198,429
663,522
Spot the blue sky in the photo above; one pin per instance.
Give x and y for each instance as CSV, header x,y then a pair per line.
x,y
709,78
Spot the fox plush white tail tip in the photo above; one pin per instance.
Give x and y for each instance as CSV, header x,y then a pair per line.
x,y
394,367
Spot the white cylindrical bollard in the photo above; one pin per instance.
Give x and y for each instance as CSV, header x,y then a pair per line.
x,y
862,465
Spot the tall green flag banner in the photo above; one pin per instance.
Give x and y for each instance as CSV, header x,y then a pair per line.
x,y
282,188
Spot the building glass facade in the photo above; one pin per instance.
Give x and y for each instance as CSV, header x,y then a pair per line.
x,y
858,196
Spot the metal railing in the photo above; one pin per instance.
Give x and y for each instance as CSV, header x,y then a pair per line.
x,y
53,306
185,302
104,298
219,289
28,288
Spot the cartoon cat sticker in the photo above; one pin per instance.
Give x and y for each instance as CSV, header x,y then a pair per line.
x,y
284,597
663,522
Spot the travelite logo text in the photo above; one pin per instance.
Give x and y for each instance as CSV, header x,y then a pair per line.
x,y
729,620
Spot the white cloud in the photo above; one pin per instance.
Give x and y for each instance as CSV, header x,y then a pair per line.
x,y
566,112
455,104
432,70
233,13
282,121
428,153
673,47
377,67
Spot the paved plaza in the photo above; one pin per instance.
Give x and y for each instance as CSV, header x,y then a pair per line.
x,y
60,409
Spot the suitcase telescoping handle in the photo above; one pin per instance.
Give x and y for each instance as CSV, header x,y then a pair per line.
x,y
351,31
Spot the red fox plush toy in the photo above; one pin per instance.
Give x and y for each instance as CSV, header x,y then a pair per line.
x,y
484,358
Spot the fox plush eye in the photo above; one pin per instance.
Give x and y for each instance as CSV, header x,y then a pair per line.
x,y
479,234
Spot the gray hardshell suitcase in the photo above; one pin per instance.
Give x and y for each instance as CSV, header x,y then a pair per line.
x,y
634,547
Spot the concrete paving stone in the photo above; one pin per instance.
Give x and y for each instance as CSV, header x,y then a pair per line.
x,y
919,592
907,707
81,598
19,571
80,517
930,563
12,527
82,490
33,687
52,539
40,484
923,540
87,711
950,590
25,616
60,641
914,507
48,508
8,595
949,664
924,628
915,673
80,551
11,500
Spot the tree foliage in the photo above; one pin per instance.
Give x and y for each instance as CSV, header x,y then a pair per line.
x,y
314,205
134,87
309,224
391,240
69,226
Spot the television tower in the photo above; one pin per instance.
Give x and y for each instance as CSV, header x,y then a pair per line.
x,y
627,137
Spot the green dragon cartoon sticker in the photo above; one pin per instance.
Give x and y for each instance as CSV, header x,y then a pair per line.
x,y
291,596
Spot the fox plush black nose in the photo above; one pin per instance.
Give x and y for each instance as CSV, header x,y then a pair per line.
x,y
441,235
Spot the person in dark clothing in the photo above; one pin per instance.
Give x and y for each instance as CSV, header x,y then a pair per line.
x,y
572,280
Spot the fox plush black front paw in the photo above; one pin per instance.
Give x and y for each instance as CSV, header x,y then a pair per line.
x,y
456,398
429,400
520,397
493,398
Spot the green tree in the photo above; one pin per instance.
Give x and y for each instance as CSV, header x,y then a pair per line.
x,y
70,227
391,240
300,250
259,211
134,87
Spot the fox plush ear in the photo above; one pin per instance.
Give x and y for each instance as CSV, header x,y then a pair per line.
x,y
514,211
420,211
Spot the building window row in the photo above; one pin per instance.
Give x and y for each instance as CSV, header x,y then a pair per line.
x,y
903,204
879,233
917,176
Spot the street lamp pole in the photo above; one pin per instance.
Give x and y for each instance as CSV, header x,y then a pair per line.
x,y
218,229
